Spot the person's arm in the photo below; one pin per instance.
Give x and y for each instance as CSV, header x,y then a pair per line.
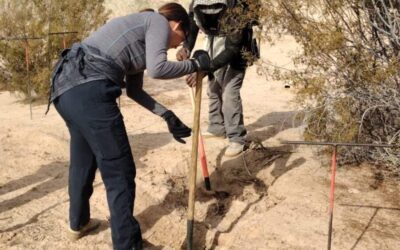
x,y
134,90
194,31
156,42
233,44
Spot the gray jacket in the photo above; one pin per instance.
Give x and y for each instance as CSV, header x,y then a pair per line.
x,y
121,49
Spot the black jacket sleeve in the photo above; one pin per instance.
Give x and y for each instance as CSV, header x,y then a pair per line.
x,y
233,45
135,91
194,31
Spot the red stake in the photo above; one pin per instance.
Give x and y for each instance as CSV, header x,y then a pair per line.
x,y
335,145
28,75
203,161
64,43
332,196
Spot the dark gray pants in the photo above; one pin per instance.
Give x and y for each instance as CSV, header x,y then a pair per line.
x,y
225,104
99,140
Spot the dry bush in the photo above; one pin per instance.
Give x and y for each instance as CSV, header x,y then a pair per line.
x,y
346,75
23,18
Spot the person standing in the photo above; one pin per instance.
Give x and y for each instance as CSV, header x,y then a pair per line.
x,y
85,84
225,42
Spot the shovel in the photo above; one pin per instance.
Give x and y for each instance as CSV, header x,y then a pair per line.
x,y
193,166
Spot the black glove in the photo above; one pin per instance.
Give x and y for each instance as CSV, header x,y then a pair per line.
x,y
201,60
176,126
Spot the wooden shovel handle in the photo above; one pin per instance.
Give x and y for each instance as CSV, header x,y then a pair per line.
x,y
193,165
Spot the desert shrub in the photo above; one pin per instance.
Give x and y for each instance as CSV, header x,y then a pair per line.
x,y
346,74
23,18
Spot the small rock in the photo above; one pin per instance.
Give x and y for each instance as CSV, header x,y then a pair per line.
x,y
353,191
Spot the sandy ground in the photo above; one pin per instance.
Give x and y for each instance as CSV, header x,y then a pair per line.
x,y
269,198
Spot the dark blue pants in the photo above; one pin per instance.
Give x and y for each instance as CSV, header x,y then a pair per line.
x,y
99,140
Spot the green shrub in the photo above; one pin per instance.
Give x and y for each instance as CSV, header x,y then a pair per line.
x,y
38,18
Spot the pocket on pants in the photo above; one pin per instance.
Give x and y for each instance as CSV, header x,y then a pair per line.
x,y
112,139
110,91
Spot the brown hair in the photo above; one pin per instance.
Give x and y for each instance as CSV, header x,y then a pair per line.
x,y
176,12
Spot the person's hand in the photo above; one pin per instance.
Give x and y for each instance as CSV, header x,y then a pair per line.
x,y
176,127
201,61
182,54
191,80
